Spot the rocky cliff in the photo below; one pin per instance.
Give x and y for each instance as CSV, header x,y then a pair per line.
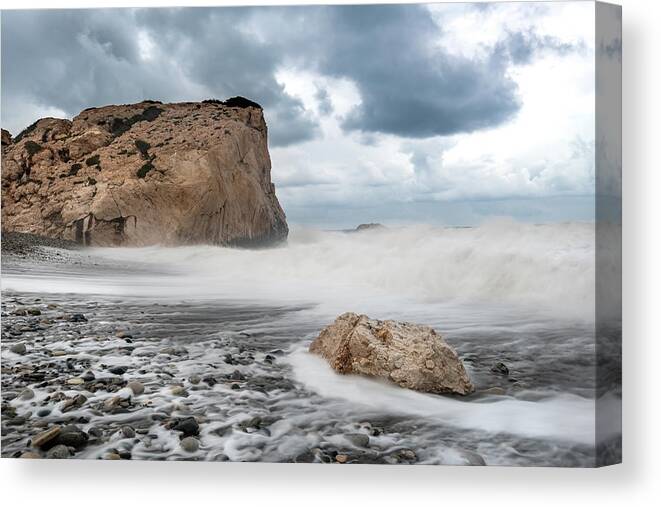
x,y
143,174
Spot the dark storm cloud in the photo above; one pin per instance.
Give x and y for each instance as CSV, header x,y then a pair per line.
x,y
408,86
71,60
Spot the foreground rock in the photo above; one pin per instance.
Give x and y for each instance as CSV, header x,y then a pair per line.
x,y
146,173
410,355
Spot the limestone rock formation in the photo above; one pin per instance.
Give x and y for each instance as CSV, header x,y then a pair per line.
x,y
6,138
410,355
369,227
143,174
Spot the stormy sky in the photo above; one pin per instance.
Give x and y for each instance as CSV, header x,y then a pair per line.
x,y
447,113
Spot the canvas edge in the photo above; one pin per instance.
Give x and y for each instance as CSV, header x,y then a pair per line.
x,y
608,234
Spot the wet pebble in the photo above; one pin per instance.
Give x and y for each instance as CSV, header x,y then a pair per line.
x,y
127,432
19,348
72,436
190,444
188,426
178,391
26,394
358,439
59,452
136,387
45,436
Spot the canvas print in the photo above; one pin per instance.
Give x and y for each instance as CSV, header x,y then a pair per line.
x,y
357,234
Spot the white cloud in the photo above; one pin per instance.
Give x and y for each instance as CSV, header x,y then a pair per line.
x,y
546,150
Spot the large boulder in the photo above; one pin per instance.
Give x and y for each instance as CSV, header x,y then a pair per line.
x,y
143,174
410,355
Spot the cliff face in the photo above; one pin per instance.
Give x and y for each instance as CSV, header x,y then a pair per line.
x,y
143,174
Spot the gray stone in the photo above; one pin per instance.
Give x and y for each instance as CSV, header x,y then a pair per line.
x,y
26,394
136,387
127,432
59,452
190,444
72,436
188,426
358,439
118,370
19,348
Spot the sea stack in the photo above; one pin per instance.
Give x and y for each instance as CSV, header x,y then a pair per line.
x,y
144,174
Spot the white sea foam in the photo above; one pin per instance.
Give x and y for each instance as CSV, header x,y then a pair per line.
x,y
563,417
522,291
543,267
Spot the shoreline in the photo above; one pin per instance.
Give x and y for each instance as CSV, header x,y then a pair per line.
x,y
209,356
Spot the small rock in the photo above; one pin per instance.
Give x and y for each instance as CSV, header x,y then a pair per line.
x,y
127,432
194,379
30,455
405,455
500,368
19,348
95,432
59,452
34,311
358,439
341,458
46,436
237,375
190,444
178,391
112,403
118,370
136,387
72,436
26,394
188,426
76,381
77,317
112,455
472,458
88,376
44,412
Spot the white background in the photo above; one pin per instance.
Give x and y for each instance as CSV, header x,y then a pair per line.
x,y
636,482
